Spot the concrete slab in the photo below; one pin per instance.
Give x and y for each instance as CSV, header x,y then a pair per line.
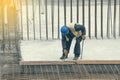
x,y
51,50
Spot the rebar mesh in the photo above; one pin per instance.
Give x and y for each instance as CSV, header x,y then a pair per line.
x,y
66,72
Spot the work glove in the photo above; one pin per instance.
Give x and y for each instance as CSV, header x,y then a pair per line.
x,y
83,37
65,51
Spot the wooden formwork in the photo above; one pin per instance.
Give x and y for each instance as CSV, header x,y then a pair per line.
x,y
70,62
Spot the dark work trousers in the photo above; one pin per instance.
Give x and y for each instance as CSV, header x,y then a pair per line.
x,y
77,44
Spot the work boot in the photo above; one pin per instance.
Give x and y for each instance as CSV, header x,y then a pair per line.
x,y
76,57
64,56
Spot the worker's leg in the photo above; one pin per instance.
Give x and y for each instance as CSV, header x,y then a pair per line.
x,y
68,44
77,47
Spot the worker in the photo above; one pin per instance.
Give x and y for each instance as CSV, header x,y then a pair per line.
x,y
68,32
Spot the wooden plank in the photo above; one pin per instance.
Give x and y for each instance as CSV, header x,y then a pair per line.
x,y
70,62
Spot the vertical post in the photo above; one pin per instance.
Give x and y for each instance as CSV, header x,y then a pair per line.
x,y
77,11
114,29
21,19
108,19
8,25
15,29
2,13
83,11
65,12
39,18
33,18
95,18
52,14
58,19
46,19
89,21
71,11
102,19
42,6
18,16
119,18
27,19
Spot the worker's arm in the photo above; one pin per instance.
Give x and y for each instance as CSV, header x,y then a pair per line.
x,y
64,45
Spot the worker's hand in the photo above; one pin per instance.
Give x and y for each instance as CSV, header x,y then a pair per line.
x,y
65,51
83,37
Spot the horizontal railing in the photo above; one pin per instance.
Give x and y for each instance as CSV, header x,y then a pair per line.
x,y
42,19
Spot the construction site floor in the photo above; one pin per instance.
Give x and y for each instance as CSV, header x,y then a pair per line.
x,y
51,50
